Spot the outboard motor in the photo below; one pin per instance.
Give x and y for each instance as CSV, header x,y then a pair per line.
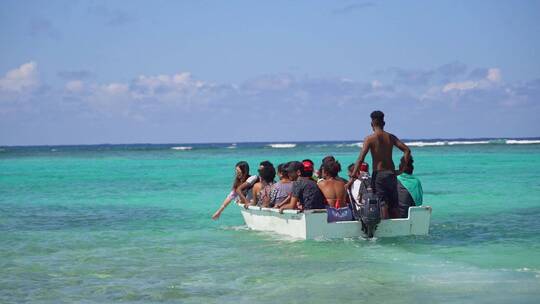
x,y
370,209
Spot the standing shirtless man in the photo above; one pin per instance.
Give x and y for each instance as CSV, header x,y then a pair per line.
x,y
380,143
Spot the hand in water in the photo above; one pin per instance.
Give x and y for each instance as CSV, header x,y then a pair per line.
x,y
216,215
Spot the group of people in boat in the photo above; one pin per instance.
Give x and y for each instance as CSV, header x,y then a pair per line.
x,y
302,187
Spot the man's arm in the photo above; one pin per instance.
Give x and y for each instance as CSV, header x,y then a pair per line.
x,y
361,156
283,202
403,147
290,205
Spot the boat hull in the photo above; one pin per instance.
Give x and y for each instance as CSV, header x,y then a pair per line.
x,y
312,224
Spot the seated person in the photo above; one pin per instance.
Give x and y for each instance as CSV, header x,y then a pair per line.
x,y
327,159
309,165
305,193
333,189
409,188
244,191
262,189
242,178
282,189
353,186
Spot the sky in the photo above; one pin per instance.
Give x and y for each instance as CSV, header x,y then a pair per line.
x,y
93,72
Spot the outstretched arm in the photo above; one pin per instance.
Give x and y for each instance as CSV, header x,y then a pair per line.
x,y
224,205
361,157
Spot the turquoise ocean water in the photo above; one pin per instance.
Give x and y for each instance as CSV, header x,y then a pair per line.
x,y
132,223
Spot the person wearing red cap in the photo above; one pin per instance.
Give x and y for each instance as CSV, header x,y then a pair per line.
x,y
309,168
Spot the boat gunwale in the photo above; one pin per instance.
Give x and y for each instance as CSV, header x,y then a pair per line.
x,y
310,211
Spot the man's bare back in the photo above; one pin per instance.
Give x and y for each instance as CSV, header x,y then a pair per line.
x,y
380,144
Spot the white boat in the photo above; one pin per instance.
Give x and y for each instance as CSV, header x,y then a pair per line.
x,y
312,224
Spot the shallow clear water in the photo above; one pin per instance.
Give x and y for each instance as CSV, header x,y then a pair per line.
x,y
132,223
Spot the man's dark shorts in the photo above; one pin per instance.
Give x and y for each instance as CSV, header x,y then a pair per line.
x,y
384,184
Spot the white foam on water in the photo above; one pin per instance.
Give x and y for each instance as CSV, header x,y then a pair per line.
x,y
480,142
318,146
282,146
425,143
181,148
522,142
358,144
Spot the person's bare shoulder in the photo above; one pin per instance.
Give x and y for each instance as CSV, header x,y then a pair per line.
x,y
393,138
368,139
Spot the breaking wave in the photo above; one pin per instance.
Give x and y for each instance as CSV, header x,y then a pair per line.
x,y
358,144
425,144
473,142
522,142
182,148
282,146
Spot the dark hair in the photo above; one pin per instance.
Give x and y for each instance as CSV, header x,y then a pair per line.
x,y
331,168
406,166
294,166
281,168
267,172
330,158
244,168
377,118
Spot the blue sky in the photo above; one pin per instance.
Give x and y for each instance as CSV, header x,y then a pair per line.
x,y
83,72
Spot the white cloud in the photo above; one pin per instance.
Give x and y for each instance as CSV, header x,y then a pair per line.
x,y
20,79
460,86
115,88
493,76
74,86
151,85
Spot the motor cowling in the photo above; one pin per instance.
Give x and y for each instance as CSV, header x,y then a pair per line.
x,y
370,211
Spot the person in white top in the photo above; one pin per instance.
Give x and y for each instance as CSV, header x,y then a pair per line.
x,y
242,178
353,186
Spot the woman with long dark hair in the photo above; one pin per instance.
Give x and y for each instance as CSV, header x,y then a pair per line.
x,y
242,176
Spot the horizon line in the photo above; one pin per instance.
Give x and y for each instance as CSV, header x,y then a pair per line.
x,y
266,142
